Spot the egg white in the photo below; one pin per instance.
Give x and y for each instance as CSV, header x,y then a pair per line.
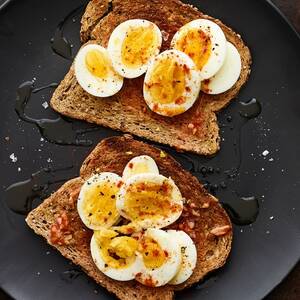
x,y
218,40
192,84
140,164
228,75
162,221
163,274
115,47
96,86
188,256
98,179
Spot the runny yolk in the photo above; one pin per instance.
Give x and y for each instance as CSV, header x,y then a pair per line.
x,y
153,255
97,63
167,82
149,201
117,252
99,205
138,46
197,45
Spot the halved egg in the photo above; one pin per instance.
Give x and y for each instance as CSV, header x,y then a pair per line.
x,y
161,258
97,201
227,76
150,200
172,83
188,256
115,256
132,45
94,71
204,42
140,164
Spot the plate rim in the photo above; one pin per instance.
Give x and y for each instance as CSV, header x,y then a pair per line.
x,y
280,14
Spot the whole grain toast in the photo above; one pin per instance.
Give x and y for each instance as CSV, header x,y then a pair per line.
x,y
197,129
203,217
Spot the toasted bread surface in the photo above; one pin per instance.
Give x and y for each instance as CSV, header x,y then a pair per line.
x,y
127,111
200,209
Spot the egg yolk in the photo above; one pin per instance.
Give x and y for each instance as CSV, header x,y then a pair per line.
x,y
197,45
167,82
153,255
97,63
138,46
99,204
117,252
149,201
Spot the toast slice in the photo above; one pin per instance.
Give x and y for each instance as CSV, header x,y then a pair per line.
x,y
195,130
203,217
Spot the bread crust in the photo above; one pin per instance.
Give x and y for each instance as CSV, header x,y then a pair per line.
x,y
201,209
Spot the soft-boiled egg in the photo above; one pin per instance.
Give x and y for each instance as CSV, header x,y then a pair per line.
x,y
132,45
188,256
94,71
140,164
115,255
227,76
172,83
161,258
150,200
203,41
96,204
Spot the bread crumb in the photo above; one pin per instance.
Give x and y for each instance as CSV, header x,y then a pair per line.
x,y
129,152
162,154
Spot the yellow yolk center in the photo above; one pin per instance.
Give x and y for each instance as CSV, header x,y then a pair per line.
x,y
167,82
100,205
97,63
153,255
197,45
117,252
138,46
149,201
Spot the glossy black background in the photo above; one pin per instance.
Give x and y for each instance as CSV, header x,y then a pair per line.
x,y
262,253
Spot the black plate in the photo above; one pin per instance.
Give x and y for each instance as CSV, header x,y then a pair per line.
x,y
263,253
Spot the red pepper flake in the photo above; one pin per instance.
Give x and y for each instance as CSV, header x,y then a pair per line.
x,y
155,107
130,230
166,253
120,183
130,165
59,230
186,69
179,100
155,252
149,282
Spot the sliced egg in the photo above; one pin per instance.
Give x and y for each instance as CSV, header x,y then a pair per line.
x,y
95,73
204,42
140,164
172,83
115,255
161,258
227,76
150,200
188,256
97,200
132,45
